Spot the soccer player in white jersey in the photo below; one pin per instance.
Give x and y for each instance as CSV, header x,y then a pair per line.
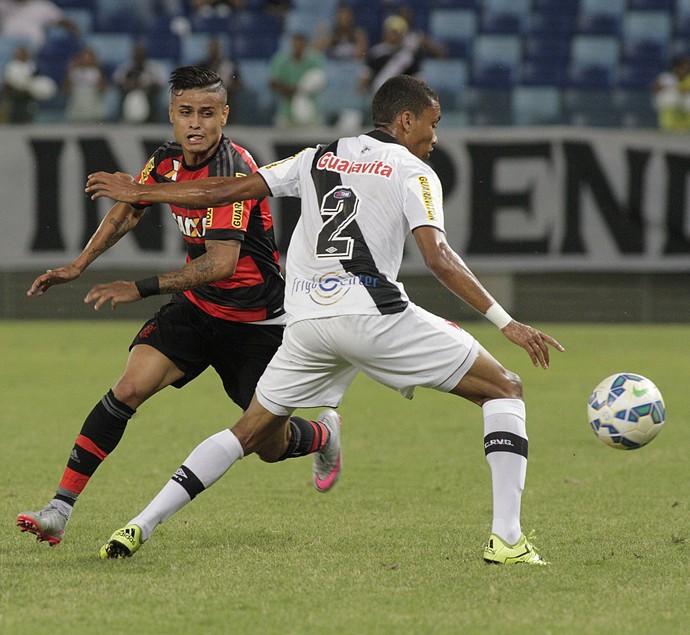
x,y
347,312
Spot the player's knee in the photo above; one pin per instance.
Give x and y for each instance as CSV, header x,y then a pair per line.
x,y
510,385
130,393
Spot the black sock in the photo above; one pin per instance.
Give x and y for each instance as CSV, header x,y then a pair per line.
x,y
306,437
98,437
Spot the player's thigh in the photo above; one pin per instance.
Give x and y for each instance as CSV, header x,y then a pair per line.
x,y
410,349
242,353
147,371
305,372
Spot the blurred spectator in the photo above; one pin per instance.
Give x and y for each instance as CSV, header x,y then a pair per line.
x,y
224,66
23,88
278,8
85,85
298,75
140,81
344,39
671,94
31,19
394,55
417,38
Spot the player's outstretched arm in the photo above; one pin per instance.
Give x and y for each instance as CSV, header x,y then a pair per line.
x,y
219,262
452,271
117,222
209,192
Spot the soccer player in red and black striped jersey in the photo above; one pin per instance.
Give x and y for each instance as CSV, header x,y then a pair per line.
x,y
226,310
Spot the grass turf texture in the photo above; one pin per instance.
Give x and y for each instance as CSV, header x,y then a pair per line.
x,y
395,548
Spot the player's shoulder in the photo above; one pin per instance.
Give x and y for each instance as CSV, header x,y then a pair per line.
x,y
167,150
242,158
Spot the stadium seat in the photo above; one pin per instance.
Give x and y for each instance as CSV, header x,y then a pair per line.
x,y
496,59
544,72
505,16
454,25
635,108
255,103
449,78
341,92
601,18
119,16
651,5
590,107
489,106
255,35
554,23
111,48
536,105
646,33
594,60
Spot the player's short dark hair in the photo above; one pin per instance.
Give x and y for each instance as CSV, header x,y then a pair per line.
x,y
195,77
398,94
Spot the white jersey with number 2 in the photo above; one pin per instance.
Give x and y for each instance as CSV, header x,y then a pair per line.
x,y
360,198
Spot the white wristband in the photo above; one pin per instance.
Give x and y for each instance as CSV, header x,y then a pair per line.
x,y
498,316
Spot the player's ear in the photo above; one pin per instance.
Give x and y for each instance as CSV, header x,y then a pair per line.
x,y
226,112
170,112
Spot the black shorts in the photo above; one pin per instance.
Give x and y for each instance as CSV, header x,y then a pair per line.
x,y
193,341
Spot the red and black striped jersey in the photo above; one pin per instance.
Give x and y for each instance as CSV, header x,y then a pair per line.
x,y
255,291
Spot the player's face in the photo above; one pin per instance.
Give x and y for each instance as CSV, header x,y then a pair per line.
x,y
198,117
421,137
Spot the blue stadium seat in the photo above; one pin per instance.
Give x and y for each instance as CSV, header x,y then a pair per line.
x,y
255,35
536,105
651,5
554,23
449,78
255,103
341,89
601,18
590,107
194,47
162,43
594,60
54,56
635,108
453,24
489,106
505,16
111,48
82,17
118,16
646,33
496,59
544,72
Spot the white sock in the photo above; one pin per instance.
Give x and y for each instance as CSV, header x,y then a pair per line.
x,y
505,444
203,467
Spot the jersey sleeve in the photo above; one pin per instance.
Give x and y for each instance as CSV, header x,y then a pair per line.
x,y
283,177
228,222
424,200
146,177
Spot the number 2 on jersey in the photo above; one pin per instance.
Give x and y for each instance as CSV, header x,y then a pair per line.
x,y
338,210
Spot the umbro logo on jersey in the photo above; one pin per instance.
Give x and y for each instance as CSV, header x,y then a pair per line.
x,y
172,174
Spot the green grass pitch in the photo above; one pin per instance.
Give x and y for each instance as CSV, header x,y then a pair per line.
x,y
395,548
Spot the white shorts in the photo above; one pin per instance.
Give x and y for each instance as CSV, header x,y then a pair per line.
x,y
319,358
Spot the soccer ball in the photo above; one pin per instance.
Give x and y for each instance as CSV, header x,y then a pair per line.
x,y
626,411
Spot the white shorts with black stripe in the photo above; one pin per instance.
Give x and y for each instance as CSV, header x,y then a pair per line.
x,y
319,358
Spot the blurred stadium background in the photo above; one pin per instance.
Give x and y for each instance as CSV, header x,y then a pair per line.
x,y
560,191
